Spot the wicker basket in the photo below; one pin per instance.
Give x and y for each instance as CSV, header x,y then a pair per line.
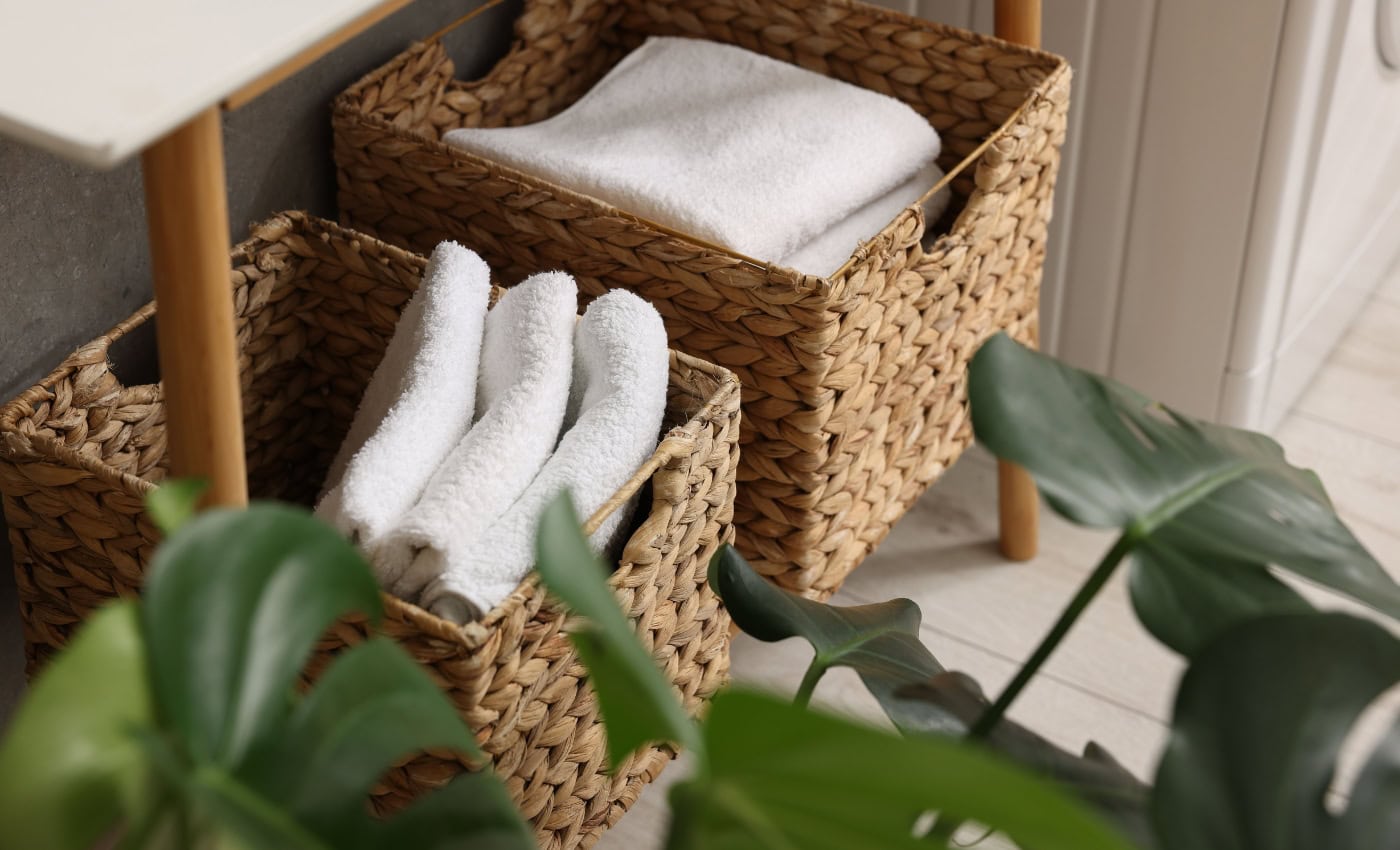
x,y
315,308
855,386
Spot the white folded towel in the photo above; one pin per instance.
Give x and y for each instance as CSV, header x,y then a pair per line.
x,y
721,143
830,251
419,402
621,371
523,394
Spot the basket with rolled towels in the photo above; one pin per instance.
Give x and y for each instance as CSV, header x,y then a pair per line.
x,y
474,420
440,427
837,202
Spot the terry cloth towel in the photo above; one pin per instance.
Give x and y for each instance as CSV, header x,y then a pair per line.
x,y
419,402
721,143
621,371
523,393
830,251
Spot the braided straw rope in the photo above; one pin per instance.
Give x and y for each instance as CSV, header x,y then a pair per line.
x,y
855,385
316,305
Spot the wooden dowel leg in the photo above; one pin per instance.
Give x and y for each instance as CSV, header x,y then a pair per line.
x,y
1017,501
187,216
1018,510
1019,21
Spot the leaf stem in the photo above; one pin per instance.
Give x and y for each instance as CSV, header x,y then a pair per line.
x,y
814,673
1091,587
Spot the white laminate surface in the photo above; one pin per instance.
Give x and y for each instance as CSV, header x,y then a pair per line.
x,y
98,81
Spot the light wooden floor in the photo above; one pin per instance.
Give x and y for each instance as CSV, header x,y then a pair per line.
x,y
1109,681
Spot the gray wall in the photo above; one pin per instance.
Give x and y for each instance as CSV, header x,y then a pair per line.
x,y
73,254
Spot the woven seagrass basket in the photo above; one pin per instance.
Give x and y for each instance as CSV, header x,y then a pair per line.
x,y
854,385
316,305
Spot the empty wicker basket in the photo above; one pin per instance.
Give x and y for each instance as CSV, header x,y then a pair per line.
x,y
854,385
316,305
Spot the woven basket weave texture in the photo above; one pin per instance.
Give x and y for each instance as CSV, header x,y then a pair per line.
x,y
316,305
854,386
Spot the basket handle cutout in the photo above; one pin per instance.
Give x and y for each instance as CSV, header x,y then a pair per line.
x,y
677,443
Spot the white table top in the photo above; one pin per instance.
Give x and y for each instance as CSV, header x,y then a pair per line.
x,y
98,80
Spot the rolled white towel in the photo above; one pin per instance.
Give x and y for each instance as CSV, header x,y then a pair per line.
x,y
621,371
523,393
722,143
829,251
419,402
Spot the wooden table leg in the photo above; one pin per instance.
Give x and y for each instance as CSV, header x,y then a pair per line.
x,y
1018,510
187,215
1019,21
1017,501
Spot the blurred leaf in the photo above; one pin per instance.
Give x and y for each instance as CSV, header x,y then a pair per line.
x,y
783,777
233,605
1105,456
175,503
1185,600
638,705
880,642
1095,777
1260,718
70,764
473,812
372,707
1373,815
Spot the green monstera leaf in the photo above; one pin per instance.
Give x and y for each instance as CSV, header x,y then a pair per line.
x,y
234,605
175,503
71,764
1183,491
880,642
177,722
780,776
1260,718
1095,777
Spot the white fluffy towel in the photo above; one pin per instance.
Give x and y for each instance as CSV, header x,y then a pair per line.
x,y
621,371
419,402
830,251
522,396
722,143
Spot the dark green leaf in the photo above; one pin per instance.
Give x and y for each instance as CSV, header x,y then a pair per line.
x,y
1106,457
638,705
880,642
70,765
473,812
175,503
1260,717
257,822
1372,817
372,706
1095,777
234,603
782,777
1185,600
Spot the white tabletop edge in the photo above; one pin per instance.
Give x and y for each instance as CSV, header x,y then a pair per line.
x,y
168,71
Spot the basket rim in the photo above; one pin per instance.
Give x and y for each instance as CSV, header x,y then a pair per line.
x,y
679,441
1058,70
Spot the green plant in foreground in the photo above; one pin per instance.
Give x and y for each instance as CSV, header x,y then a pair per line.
x,y
173,722
772,775
1273,686
1206,513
